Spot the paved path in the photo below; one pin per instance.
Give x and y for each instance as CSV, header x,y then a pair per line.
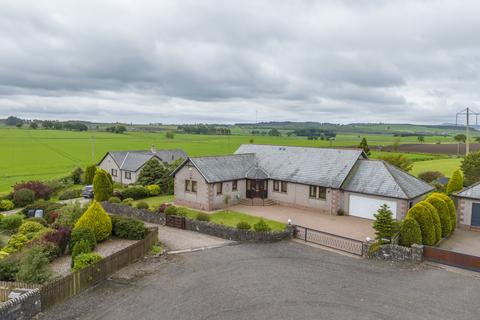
x,y
463,241
282,280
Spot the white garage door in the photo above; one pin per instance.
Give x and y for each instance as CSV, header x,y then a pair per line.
x,y
365,207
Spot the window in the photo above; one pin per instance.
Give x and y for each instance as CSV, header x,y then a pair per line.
x,y
114,172
188,185
219,187
194,186
322,193
128,175
284,186
313,192
276,186
234,185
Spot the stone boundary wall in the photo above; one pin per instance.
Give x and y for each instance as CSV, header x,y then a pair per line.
x,y
394,252
229,233
22,308
140,214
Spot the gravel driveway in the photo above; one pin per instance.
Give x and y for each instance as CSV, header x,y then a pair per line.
x,y
284,280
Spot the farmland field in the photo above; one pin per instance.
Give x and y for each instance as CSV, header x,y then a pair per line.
x,y
445,166
42,154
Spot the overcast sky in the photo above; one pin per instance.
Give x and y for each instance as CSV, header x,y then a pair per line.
x,y
223,61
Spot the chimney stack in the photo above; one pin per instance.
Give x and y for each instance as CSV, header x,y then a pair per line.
x,y
153,149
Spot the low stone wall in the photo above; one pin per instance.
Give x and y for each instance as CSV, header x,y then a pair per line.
x,y
140,214
229,233
23,307
394,252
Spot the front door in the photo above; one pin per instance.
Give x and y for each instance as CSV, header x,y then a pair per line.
x,y
257,189
475,215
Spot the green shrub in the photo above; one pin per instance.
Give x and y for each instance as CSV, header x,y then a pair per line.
x,y
42,221
142,205
30,227
384,224
425,221
202,216
9,266
435,218
455,183
261,226
85,234
70,214
15,243
51,250
90,174
77,175
80,247
85,259
170,210
153,189
410,232
6,205
114,200
102,185
70,194
11,222
243,225
23,197
34,267
128,228
98,220
443,213
452,211
127,201
135,192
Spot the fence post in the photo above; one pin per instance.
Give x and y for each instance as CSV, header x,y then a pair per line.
x,y
306,234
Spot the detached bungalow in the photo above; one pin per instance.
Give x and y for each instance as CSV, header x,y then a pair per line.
x,y
468,207
332,181
125,166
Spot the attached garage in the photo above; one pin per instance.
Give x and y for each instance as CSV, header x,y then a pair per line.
x,y
365,207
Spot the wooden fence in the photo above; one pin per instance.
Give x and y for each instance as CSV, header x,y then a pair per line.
x,y
7,286
452,258
61,289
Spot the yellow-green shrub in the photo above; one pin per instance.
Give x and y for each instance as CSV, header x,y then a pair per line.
x,y
451,209
30,227
96,219
153,189
435,219
443,213
424,219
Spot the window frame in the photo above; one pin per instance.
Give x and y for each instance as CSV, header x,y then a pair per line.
x,y
282,185
235,185
219,187
114,172
312,195
322,195
194,186
188,185
129,176
276,185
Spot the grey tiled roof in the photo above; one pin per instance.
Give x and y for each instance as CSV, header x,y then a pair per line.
x,y
380,178
256,173
316,166
472,192
133,160
224,168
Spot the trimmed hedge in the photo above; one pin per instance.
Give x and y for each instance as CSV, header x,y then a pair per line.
x,y
424,219
80,247
451,209
435,218
455,183
135,192
443,214
128,228
98,220
410,232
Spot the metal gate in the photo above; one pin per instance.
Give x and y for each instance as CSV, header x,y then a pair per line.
x,y
452,258
330,240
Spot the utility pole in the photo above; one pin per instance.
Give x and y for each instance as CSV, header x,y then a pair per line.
x,y
93,149
467,112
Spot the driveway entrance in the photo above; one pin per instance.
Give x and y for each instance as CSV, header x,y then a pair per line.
x,y
346,226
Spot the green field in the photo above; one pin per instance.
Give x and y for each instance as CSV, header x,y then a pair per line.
x,y
42,154
445,166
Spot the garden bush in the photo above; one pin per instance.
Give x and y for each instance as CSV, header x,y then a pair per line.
x,y
114,200
425,221
435,218
42,221
89,174
40,189
452,211
69,215
410,232
243,225
202,216
34,267
9,266
261,226
98,220
153,189
6,205
127,201
83,233
30,227
77,175
60,238
79,248
455,183
11,222
102,185
23,197
86,259
128,228
51,250
443,213
15,243
170,210
70,194
142,205
135,192
118,193
162,207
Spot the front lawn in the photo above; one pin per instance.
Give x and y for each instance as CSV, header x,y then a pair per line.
x,y
232,218
155,201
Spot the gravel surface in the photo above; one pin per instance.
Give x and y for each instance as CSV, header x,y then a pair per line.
x,y
284,280
61,266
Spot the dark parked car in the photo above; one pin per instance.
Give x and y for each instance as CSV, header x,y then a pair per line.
x,y
87,192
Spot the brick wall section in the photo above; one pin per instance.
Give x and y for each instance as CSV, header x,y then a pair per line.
x,y
140,214
22,308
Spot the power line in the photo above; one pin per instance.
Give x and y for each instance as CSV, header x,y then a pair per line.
x,y
467,112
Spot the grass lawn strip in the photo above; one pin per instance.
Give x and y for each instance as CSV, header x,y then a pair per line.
x,y
155,201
